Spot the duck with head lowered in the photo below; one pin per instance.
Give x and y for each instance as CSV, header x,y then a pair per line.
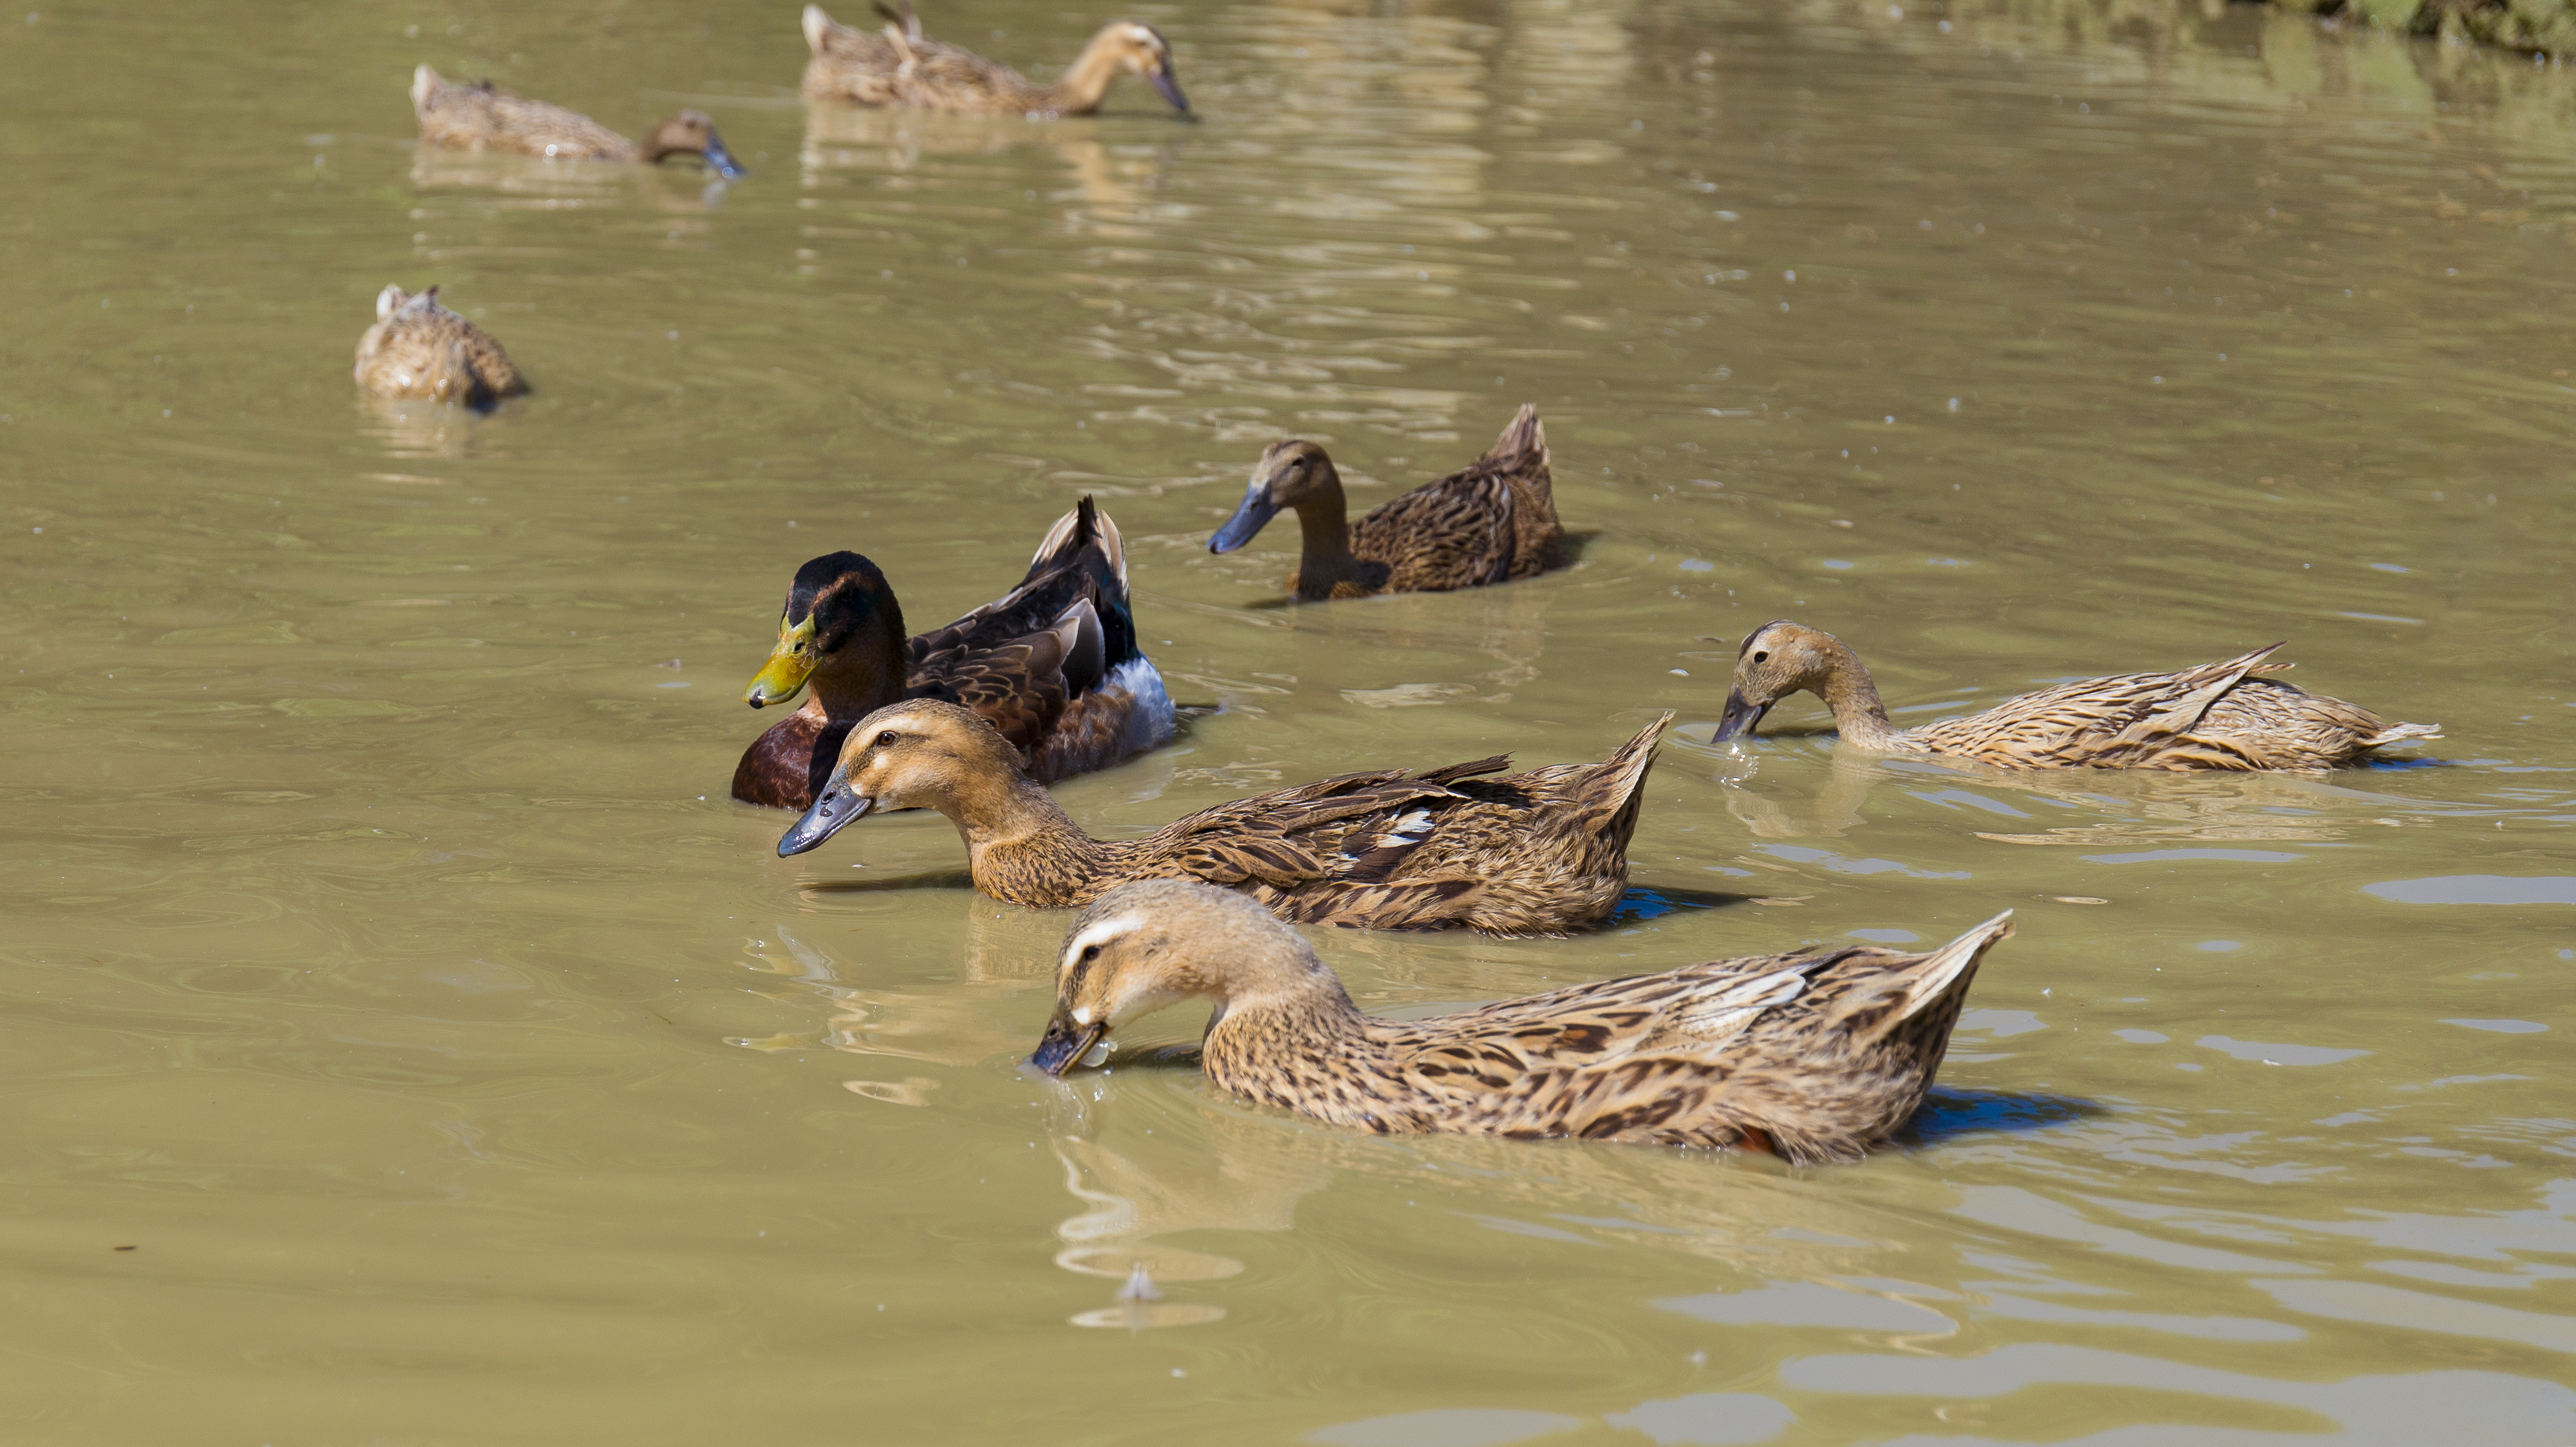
x,y
899,66
1814,1055
1491,521
2214,716
484,117
1539,853
419,349
1052,666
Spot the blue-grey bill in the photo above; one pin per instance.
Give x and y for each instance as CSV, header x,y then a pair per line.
x,y
836,807
1063,1045
1247,523
722,162
1740,716
1170,89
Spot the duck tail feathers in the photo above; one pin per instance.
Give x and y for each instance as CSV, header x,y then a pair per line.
x,y
1951,966
818,28
1085,526
1521,437
1616,784
2399,733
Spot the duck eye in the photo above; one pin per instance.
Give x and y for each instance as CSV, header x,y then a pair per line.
x,y
1090,953
887,739
1762,657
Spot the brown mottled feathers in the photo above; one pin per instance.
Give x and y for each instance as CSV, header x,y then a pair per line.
x,y
483,117
1491,521
900,66
418,348
1816,1054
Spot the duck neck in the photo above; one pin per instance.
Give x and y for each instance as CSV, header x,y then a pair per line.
x,y
864,674
1324,523
1282,1026
1847,690
1084,83
1019,845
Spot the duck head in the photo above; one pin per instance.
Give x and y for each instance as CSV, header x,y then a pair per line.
x,y
922,753
1291,471
1156,943
1776,660
691,133
842,629
1140,49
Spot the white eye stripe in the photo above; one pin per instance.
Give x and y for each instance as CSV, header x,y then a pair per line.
x,y
1099,934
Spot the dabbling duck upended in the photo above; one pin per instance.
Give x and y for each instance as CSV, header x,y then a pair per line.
x,y
1815,1055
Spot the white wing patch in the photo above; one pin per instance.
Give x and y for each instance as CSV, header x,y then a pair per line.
x,y
1723,1015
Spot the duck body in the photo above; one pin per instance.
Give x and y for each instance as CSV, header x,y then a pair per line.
x,y
483,117
1537,853
1492,521
1053,665
2215,716
1815,1055
899,66
419,349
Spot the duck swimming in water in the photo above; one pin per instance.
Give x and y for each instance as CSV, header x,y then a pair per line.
x,y
1540,853
420,349
1815,1055
2215,716
483,117
1053,665
899,66
1489,522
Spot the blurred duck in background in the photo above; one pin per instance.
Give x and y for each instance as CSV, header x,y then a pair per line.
x,y
483,117
419,349
899,66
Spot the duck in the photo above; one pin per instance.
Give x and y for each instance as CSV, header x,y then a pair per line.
x,y
1492,521
899,66
1814,1055
419,349
2214,716
483,117
1539,853
1053,665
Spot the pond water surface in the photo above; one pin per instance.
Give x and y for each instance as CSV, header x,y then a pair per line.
x,y
385,966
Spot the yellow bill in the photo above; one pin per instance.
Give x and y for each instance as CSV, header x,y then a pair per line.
x,y
790,664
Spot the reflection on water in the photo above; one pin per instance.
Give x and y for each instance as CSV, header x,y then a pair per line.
x,y
383,949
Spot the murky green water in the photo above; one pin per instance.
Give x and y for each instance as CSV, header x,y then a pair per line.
x,y
384,965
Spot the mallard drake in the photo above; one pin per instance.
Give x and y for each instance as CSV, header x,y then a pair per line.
x,y
1491,521
1815,1055
898,66
1052,664
2215,716
484,117
1540,853
418,348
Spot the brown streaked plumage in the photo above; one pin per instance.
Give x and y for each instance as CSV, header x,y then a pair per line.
x,y
1540,853
1053,665
483,117
418,348
1492,521
2215,716
1816,1055
899,66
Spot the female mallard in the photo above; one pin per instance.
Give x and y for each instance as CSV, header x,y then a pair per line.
x,y
2215,716
1540,853
1053,664
418,348
899,67
1490,522
1815,1055
483,117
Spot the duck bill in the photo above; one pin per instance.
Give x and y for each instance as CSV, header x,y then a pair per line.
x,y
1248,520
721,161
1169,88
1064,1045
1740,716
789,665
834,809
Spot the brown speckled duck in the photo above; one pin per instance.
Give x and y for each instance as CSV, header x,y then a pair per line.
x,y
1540,853
1490,522
418,348
899,66
2215,716
483,117
1815,1056
1052,664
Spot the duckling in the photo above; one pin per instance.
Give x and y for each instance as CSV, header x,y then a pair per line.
x,y
1540,853
1053,664
483,117
418,348
899,67
1490,522
2215,716
1814,1055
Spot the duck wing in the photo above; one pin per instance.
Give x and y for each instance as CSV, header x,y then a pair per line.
x,y
2125,720
1081,558
1454,533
